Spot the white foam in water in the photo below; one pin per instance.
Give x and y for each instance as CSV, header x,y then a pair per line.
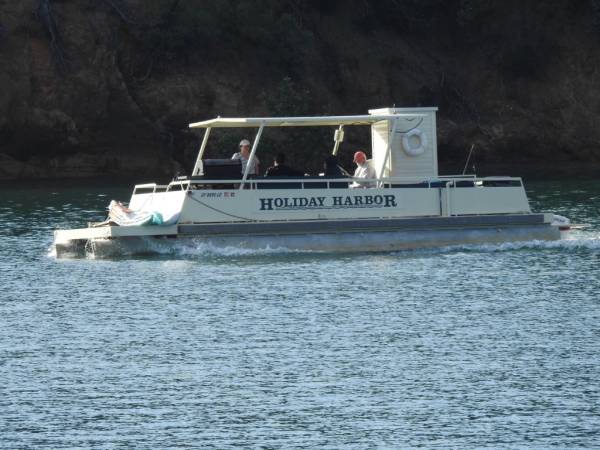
x,y
196,247
51,252
573,240
203,248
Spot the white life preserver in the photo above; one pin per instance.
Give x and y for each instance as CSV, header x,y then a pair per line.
x,y
408,142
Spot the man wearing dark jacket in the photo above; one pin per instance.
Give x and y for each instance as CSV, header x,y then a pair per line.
x,y
281,170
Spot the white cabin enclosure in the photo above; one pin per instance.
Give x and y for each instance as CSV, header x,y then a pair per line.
x,y
405,147
407,205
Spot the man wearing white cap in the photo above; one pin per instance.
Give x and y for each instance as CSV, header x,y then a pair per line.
x,y
244,155
363,170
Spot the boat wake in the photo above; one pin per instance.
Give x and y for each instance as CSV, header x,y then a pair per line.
x,y
196,247
579,240
193,248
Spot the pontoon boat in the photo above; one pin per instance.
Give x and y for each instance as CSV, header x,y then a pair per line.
x,y
410,205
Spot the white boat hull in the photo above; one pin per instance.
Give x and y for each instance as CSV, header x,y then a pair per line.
x,y
349,236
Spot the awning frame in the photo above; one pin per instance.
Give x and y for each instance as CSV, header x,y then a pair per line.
x,y
257,122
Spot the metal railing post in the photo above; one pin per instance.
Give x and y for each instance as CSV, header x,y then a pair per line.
x,y
448,205
201,151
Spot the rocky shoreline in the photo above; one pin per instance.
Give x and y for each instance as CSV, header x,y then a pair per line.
x,y
108,88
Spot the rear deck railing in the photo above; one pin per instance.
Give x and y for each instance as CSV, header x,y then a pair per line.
x,y
330,183
444,186
442,182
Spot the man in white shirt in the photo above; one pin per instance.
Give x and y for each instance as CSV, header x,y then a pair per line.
x,y
363,170
244,155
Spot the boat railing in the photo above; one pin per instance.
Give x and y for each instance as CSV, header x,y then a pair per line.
x,y
308,182
461,176
456,182
152,188
149,188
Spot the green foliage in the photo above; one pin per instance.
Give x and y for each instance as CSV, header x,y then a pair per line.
x,y
269,28
305,148
407,16
185,29
474,13
289,99
595,5
522,61
531,57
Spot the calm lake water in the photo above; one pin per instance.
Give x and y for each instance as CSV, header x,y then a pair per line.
x,y
481,346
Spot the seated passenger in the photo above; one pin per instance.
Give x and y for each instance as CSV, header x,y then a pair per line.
x,y
333,169
279,169
363,170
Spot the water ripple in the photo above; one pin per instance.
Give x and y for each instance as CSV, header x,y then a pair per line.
x,y
488,346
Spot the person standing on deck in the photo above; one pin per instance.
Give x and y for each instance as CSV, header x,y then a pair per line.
x,y
363,170
244,155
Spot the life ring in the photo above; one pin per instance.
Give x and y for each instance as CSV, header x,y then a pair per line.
x,y
408,142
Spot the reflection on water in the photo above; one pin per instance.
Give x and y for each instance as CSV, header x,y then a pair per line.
x,y
471,346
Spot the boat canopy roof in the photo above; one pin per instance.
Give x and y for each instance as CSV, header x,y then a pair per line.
x,y
256,122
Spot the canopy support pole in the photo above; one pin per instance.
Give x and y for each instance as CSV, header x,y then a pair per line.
x,y
252,153
201,152
388,151
338,137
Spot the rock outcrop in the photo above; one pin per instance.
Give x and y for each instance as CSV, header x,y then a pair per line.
x,y
97,88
